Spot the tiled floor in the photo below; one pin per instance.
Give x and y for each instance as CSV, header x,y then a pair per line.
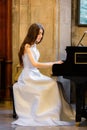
x,y
6,119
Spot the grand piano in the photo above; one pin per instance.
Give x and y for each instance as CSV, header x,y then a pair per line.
x,y
74,68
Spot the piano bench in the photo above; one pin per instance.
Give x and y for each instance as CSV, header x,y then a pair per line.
x,y
13,104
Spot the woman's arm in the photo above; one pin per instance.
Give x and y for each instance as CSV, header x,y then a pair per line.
x,y
39,64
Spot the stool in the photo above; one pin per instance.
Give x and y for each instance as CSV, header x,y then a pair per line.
x,y
13,104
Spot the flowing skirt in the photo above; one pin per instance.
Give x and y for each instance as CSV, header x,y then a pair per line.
x,y
39,101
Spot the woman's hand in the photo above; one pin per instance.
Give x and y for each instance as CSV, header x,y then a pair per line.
x,y
60,62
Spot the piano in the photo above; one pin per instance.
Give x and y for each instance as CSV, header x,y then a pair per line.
x,y
74,68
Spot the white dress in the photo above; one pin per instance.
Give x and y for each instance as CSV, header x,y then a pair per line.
x,y
38,100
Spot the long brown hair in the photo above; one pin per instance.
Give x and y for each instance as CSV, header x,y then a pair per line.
x,y
30,39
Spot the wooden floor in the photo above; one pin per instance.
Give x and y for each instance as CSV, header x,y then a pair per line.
x,y
6,119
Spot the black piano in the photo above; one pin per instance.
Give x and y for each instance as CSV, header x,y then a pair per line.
x,y
75,69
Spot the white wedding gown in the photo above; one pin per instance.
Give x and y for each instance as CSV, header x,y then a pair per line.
x,y
38,100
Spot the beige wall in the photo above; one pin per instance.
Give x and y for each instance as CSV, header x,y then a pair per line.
x,y
77,32
54,15
59,20
26,12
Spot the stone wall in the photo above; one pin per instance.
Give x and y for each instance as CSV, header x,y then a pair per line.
x,y
26,12
77,31
56,18
59,18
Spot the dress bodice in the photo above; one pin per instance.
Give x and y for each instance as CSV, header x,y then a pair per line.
x,y
26,60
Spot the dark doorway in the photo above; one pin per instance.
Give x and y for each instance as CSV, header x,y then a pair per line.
x,y
5,48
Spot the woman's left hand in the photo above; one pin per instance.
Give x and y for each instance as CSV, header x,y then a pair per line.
x,y
60,62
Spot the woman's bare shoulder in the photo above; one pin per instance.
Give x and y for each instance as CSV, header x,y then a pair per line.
x,y
27,48
27,45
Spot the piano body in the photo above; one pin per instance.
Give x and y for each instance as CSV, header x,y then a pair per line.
x,y
75,69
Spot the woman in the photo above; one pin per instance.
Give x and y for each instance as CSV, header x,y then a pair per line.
x,y
38,100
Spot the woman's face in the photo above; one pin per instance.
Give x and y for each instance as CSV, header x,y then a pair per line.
x,y
39,36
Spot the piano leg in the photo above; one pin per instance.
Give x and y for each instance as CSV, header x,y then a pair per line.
x,y
12,96
80,102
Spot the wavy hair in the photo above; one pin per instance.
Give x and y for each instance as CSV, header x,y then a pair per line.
x,y
30,39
